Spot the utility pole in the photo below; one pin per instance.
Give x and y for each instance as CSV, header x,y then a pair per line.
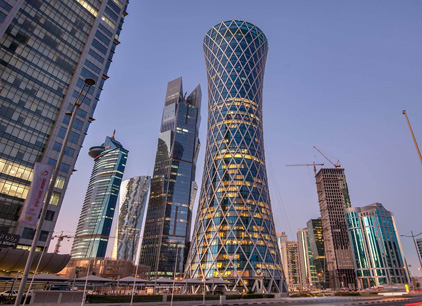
x,y
413,136
80,99
416,247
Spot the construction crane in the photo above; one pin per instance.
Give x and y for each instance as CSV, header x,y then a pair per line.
x,y
306,165
60,238
336,165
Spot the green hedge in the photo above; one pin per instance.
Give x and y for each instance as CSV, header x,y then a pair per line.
x,y
347,294
177,297
196,297
123,298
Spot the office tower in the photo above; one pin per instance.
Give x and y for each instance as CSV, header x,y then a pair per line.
x,y
47,49
132,204
307,270
291,267
173,188
97,213
280,238
234,236
419,244
316,242
333,198
377,249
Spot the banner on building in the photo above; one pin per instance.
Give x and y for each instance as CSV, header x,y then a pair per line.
x,y
8,240
35,200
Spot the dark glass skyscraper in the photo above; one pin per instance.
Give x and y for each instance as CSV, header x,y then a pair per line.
x,y
173,187
316,242
47,49
97,213
234,236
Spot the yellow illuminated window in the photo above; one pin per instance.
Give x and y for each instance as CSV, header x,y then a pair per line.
x,y
88,7
108,21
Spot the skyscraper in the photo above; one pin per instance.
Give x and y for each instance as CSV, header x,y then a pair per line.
x,y
419,244
97,213
377,249
173,187
47,49
333,198
234,236
132,204
291,266
316,242
306,263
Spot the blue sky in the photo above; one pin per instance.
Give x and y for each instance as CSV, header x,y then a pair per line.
x,y
338,75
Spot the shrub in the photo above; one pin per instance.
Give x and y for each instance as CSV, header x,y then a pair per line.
x,y
347,294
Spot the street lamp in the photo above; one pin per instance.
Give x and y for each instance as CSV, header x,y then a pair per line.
x,y
79,100
416,247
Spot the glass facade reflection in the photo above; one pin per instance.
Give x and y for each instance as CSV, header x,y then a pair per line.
x,y
132,206
291,265
377,249
173,187
47,49
93,231
316,243
234,236
308,276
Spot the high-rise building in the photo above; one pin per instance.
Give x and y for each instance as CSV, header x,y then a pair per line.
x,y
132,204
173,187
307,270
93,231
333,198
291,267
316,242
47,49
377,249
419,244
234,236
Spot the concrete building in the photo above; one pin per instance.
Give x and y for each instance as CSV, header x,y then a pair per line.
x,y
333,198
95,221
234,235
47,49
173,188
377,249
291,266
419,244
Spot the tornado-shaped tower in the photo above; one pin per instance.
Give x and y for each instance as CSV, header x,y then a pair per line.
x,y
234,236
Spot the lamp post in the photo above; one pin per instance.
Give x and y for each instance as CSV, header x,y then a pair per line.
x,y
416,247
413,136
81,97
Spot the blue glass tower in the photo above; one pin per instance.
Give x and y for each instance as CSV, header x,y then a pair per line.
x,y
97,213
234,236
173,187
377,249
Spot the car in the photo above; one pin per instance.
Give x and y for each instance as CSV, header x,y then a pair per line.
x,y
9,293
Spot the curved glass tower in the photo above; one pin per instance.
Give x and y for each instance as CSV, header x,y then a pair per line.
x,y
234,236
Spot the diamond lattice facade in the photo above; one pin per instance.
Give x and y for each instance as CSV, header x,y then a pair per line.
x,y
234,236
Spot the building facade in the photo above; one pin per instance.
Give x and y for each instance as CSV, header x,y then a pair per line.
x,y
291,266
173,187
419,244
377,249
234,236
308,277
47,49
316,243
94,226
333,198
131,212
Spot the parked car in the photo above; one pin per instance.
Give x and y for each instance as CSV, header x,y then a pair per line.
x,y
9,293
